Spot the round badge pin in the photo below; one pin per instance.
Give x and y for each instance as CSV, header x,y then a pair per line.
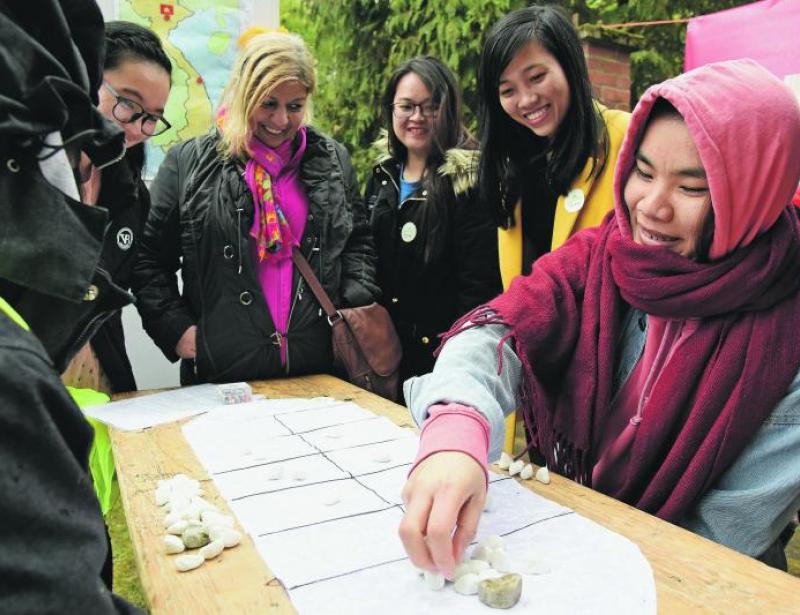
x,y
574,200
408,232
124,238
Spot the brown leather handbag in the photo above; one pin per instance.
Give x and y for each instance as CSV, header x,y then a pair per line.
x,y
365,343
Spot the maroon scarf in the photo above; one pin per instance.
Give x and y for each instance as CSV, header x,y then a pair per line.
x,y
708,402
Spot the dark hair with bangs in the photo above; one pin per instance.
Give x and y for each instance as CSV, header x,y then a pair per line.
x,y
509,150
130,42
126,41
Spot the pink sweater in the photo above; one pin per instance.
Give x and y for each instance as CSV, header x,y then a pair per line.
x,y
275,273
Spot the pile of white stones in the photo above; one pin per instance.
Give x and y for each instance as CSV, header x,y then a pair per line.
x,y
524,470
192,522
491,573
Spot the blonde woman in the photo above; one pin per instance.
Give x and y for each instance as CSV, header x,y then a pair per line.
x,y
229,207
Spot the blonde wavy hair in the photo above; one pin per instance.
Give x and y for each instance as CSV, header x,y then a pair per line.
x,y
267,61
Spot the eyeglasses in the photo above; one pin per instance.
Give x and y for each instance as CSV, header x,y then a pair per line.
x,y
404,110
128,111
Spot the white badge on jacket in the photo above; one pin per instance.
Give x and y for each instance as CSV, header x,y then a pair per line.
x,y
574,200
408,232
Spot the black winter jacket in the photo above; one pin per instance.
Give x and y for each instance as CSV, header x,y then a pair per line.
x,y
97,317
436,260
52,541
199,222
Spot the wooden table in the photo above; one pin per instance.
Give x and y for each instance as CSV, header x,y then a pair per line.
x,y
692,574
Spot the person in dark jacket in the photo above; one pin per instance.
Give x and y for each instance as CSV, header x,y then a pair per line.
x,y
229,207
52,540
437,248
136,84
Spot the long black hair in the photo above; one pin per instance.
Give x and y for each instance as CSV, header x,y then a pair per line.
x,y
127,41
510,151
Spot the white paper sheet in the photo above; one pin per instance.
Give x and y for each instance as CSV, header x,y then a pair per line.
x,y
592,571
277,476
378,429
150,410
302,506
326,416
327,550
372,458
387,484
228,455
332,537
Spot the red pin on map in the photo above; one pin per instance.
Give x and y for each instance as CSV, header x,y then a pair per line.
x,y
167,11
199,79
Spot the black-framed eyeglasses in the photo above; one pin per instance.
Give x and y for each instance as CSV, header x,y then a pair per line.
x,y
128,111
404,110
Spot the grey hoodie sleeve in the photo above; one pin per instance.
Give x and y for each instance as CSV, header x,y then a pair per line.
x,y
467,373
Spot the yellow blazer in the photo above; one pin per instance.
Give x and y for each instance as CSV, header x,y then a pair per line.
x,y
598,199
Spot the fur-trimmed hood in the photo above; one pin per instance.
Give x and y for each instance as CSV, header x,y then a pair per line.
x,y
460,165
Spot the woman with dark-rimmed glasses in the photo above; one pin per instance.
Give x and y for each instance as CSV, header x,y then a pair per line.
x,y
136,84
437,248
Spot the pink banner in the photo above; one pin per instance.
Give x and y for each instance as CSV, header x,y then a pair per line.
x,y
767,31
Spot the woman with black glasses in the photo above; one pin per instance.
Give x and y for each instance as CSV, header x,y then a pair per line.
x,y
136,84
437,248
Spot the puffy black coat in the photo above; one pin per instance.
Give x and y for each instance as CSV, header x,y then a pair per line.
x,y
202,211
437,258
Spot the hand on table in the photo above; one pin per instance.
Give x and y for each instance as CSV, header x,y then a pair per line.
x,y
186,348
447,490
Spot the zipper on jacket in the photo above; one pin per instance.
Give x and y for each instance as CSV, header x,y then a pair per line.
x,y
298,296
239,235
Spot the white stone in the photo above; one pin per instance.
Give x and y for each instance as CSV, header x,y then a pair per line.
x,y
231,538
275,472
499,560
171,519
173,544
532,565
185,563
434,580
162,494
330,499
505,461
516,467
526,472
382,458
489,573
214,517
543,475
467,584
177,528
298,475
493,542
212,549
481,552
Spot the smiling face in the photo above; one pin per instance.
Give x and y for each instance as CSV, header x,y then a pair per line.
x,y
281,114
415,131
141,81
534,91
667,191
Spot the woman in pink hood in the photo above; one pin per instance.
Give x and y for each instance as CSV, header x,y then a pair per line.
x,y
654,358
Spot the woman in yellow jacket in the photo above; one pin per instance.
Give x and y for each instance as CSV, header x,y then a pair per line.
x,y
548,149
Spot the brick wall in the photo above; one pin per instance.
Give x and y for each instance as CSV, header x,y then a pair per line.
x,y
609,72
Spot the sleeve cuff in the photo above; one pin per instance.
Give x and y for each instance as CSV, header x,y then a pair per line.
x,y
456,428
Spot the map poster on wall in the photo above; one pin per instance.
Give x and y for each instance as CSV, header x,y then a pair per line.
x,y
200,38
